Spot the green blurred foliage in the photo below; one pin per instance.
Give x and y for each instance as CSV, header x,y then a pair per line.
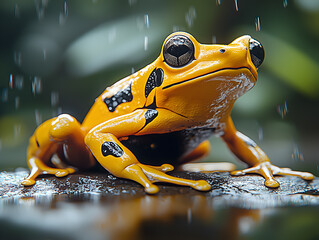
x,y
75,49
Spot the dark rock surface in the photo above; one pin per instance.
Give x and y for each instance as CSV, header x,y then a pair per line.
x,y
97,205
242,191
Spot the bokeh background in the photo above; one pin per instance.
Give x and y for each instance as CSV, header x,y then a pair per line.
x,y
58,56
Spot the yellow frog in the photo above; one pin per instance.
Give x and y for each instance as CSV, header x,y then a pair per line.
x,y
160,117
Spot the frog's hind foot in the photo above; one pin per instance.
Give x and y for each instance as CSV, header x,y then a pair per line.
x,y
267,170
38,168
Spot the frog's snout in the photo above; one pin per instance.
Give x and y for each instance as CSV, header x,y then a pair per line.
x,y
257,53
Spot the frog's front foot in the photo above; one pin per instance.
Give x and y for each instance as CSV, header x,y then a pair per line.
x,y
267,170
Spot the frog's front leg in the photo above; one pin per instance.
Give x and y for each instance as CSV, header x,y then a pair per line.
x,y
104,143
248,151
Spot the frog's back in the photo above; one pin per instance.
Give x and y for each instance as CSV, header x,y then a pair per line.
x,y
121,98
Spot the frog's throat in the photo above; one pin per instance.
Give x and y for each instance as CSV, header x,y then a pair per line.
x,y
206,74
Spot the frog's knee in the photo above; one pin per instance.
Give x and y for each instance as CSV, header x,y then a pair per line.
x,y
63,127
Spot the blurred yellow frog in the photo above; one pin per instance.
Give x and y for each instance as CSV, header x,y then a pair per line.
x,y
159,117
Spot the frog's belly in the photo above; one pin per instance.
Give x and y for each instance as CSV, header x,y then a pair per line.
x,y
157,149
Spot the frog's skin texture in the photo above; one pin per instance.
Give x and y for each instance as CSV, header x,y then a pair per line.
x,y
159,117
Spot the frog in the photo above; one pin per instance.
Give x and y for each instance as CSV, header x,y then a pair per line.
x,y
161,117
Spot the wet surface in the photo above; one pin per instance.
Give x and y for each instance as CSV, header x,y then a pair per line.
x,y
101,206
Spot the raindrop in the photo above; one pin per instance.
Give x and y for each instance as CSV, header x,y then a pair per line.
x,y
260,133
214,39
54,99
146,21
11,81
257,24
133,70
132,2
296,153
285,3
64,14
4,95
44,51
36,85
16,102
218,2
19,82
236,5
38,117
190,16
16,130
282,110
17,58
145,43
40,6
16,11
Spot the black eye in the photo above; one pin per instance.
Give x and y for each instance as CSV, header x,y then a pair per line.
x,y
178,51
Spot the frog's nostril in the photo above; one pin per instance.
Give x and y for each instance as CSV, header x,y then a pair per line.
x,y
257,52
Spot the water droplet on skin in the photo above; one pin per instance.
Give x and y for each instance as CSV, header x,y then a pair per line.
x,y
11,81
146,21
16,102
282,110
4,95
145,43
236,5
257,24
16,11
285,3
218,2
190,16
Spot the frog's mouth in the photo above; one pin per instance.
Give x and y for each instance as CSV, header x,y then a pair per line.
x,y
207,74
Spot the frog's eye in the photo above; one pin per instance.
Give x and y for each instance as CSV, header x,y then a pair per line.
x,y
178,51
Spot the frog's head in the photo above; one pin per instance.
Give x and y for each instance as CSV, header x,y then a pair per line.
x,y
209,74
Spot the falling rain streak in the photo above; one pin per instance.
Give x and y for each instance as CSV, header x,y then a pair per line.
x,y
64,14
257,23
146,21
36,85
214,39
282,110
38,117
285,3
236,5
190,16
218,2
54,99
296,153
16,11
145,43
4,95
40,6
11,81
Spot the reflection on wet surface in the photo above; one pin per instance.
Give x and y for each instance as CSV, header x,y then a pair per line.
x,y
100,206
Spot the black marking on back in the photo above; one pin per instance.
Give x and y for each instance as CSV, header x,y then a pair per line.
x,y
111,148
154,80
153,104
122,96
150,115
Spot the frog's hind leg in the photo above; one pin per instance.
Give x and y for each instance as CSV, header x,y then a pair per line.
x,y
201,151
63,132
